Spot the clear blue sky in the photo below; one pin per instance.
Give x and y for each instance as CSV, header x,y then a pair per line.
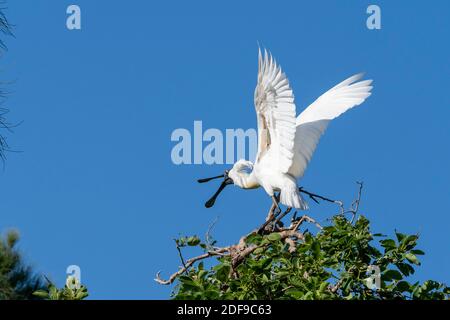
x,y
94,184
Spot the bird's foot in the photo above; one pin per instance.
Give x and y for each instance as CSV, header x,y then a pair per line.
x,y
277,225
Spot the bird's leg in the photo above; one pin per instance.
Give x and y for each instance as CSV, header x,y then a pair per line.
x,y
271,215
278,222
274,207
276,201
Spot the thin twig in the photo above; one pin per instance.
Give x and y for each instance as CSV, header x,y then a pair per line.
x,y
314,196
356,203
353,210
208,238
338,284
180,254
309,219
189,263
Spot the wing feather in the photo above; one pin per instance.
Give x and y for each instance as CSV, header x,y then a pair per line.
x,y
314,120
275,109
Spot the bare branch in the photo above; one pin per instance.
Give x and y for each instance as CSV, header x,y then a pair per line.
x,y
208,238
188,264
241,250
180,254
308,219
314,196
291,235
353,210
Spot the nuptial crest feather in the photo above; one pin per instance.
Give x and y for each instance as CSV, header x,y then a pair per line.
x,y
240,168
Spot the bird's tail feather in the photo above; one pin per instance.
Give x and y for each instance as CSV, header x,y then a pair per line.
x,y
290,197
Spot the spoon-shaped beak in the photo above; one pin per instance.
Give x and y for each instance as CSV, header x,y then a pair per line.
x,y
222,186
209,179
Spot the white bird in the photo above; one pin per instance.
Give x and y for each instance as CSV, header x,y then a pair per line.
x,y
286,143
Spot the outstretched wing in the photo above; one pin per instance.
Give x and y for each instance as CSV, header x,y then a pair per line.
x,y
313,121
275,109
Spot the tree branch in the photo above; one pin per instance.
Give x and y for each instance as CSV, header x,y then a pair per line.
x,y
180,254
241,250
189,263
314,196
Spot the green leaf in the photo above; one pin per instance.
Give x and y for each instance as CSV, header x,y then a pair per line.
x,y
81,295
308,296
392,275
53,292
193,241
253,238
388,243
274,237
412,258
323,286
211,294
295,293
222,272
403,286
12,237
315,248
410,242
188,283
418,252
400,236
258,251
265,263
41,294
379,235
405,268
308,238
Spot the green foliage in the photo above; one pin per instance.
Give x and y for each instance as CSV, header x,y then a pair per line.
x,y
17,280
187,241
332,264
73,290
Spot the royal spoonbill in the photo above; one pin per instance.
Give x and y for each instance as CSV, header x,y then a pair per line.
x,y
286,142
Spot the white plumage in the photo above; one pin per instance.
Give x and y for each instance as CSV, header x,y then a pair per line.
x,y
286,143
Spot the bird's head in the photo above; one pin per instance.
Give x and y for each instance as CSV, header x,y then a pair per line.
x,y
240,169
233,176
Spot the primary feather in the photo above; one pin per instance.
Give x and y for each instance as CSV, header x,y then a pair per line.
x,y
275,109
313,121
